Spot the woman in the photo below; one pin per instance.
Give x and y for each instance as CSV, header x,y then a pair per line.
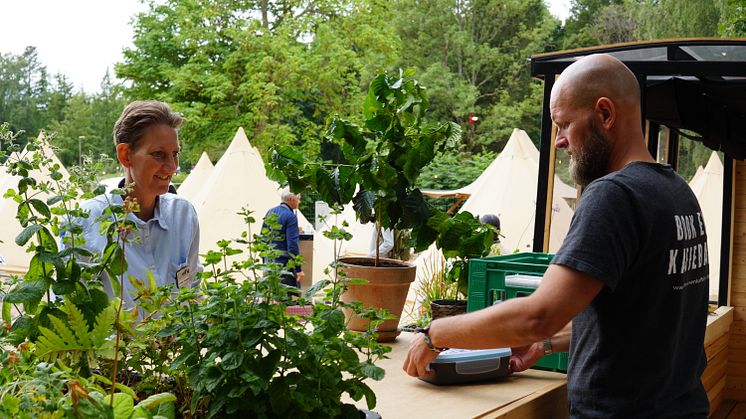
x,y
166,241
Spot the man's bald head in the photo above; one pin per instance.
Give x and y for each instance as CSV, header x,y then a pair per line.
x,y
595,76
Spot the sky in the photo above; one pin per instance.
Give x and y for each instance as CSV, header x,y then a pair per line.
x,y
83,38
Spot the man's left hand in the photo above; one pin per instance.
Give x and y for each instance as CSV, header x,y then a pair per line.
x,y
419,357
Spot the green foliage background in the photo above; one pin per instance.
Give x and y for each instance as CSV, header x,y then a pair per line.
x,y
282,68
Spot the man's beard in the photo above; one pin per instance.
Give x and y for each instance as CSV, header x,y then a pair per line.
x,y
591,160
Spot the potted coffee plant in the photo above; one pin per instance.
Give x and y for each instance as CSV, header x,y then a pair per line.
x,y
377,172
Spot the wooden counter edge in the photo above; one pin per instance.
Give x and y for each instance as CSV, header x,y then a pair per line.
x,y
718,323
547,402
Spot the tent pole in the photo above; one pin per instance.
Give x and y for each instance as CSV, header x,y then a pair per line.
x,y
726,231
542,188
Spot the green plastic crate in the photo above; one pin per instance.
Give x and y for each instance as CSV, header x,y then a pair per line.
x,y
523,271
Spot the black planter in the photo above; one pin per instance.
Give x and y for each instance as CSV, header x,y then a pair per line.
x,y
445,308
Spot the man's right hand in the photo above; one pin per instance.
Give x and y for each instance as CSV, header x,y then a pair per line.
x,y
524,357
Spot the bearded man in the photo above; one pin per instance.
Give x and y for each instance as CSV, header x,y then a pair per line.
x,y
626,293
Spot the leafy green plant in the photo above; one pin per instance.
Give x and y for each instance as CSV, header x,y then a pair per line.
x,y
231,347
74,339
245,354
62,321
380,166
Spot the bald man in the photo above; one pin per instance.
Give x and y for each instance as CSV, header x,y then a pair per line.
x,y
627,291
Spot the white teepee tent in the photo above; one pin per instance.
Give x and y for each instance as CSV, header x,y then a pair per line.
x,y
707,186
324,252
9,250
508,190
238,181
194,181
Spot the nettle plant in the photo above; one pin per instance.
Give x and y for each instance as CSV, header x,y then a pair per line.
x,y
230,347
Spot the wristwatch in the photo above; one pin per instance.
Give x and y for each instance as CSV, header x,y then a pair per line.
x,y
547,345
426,331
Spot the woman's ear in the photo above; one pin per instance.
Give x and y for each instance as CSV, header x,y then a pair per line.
x,y
123,154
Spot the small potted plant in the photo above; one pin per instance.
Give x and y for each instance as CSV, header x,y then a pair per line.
x,y
377,172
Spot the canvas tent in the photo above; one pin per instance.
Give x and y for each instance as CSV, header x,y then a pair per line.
x,y
9,250
238,181
194,181
507,188
509,191
324,251
707,186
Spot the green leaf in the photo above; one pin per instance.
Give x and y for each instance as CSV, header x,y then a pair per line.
x,y
232,360
122,403
117,264
40,207
372,371
414,209
363,203
64,287
157,400
55,199
7,312
48,241
23,213
78,324
27,292
316,287
104,325
327,189
371,105
28,232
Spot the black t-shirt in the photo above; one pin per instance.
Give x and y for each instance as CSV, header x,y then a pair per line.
x,y
638,349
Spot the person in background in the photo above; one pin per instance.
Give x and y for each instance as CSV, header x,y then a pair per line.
x,y
166,241
385,242
287,236
497,248
627,291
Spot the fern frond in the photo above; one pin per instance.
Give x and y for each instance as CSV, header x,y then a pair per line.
x,y
78,324
104,325
48,341
62,330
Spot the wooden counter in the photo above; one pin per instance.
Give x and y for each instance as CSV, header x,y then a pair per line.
x,y
533,393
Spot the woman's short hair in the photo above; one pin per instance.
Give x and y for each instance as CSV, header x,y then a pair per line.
x,y
138,116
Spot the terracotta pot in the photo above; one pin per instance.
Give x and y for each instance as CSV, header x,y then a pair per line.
x,y
387,288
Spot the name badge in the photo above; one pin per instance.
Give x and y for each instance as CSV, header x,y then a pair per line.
x,y
183,278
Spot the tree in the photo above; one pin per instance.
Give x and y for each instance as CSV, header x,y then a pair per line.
x,y
733,19
23,85
582,28
473,55
660,19
278,68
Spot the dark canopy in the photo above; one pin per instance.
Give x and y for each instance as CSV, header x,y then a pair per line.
x,y
693,84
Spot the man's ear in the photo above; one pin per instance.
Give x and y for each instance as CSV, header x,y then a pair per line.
x,y
123,154
606,112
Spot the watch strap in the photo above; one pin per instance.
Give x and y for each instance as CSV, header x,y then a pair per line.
x,y
426,331
547,346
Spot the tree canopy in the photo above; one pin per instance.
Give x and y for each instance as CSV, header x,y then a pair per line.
x,y
282,68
